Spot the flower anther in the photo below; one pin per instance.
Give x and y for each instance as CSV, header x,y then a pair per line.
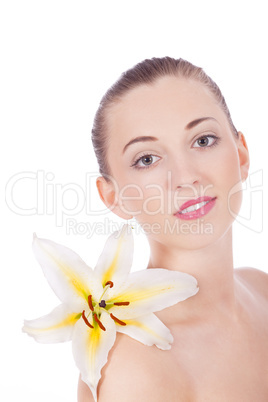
x,y
103,304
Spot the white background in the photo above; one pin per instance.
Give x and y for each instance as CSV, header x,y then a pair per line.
x,y
57,60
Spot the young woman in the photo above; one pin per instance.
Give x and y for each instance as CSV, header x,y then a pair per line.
x,y
169,155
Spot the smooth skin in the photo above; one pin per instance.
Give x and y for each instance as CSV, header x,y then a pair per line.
x,y
220,335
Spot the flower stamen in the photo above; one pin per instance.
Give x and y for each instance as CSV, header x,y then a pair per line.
x,y
110,283
86,320
99,322
89,300
121,304
117,320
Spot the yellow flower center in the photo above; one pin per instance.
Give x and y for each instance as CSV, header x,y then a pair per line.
x,y
96,309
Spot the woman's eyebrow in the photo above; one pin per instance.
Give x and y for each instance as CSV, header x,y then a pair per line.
x,y
150,138
139,139
198,121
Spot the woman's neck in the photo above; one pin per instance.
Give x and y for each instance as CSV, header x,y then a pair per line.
x,y
212,266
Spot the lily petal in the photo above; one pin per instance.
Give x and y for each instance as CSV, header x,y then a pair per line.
x,y
91,348
148,330
114,263
152,290
54,327
68,275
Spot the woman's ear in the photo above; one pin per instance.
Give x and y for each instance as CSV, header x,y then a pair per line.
x,y
109,195
243,156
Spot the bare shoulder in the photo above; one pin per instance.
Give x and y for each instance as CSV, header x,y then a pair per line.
x,y
83,393
137,372
255,280
129,374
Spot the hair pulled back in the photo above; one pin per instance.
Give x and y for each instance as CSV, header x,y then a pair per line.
x,y
147,72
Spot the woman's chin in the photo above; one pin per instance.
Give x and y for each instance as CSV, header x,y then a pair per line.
x,y
187,235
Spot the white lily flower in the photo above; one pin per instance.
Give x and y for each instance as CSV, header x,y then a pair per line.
x,y
97,304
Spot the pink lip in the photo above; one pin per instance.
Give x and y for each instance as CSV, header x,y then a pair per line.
x,y
199,212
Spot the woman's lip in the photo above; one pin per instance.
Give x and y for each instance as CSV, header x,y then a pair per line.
x,y
196,201
199,212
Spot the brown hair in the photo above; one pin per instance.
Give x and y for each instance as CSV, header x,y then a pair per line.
x,y
147,72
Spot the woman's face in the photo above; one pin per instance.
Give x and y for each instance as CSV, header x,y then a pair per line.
x,y
169,143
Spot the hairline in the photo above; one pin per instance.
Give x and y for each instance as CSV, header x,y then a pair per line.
x,y
119,98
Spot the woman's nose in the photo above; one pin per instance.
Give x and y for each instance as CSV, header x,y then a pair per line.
x,y
184,174
185,185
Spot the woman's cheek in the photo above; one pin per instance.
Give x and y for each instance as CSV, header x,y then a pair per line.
x,y
232,185
143,199
234,200
131,198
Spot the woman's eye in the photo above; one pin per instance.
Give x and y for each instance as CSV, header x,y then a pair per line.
x,y
145,161
206,141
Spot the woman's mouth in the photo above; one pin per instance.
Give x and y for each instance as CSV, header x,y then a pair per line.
x,y
194,209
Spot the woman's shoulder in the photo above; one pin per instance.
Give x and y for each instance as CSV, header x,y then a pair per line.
x,y
255,279
122,372
128,374
135,372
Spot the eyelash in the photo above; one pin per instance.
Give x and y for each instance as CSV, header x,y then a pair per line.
x,y
135,163
215,143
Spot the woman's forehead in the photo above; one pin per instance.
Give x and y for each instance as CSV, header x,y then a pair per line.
x,y
169,100
168,89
